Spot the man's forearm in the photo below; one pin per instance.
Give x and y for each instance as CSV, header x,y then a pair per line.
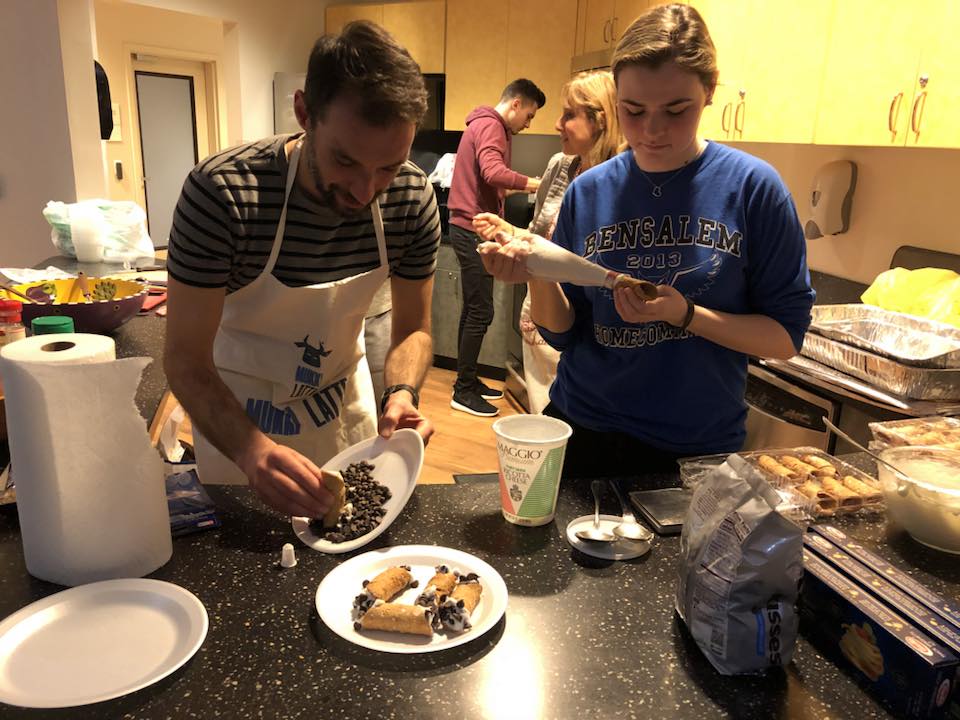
x,y
216,413
408,361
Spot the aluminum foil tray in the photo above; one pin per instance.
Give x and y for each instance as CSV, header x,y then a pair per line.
x,y
925,432
905,338
906,380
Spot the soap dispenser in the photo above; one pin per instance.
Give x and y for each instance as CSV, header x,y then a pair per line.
x,y
830,199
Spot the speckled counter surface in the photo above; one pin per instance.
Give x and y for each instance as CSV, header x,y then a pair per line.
x,y
581,637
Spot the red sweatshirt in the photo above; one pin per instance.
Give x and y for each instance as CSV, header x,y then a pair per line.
x,y
482,174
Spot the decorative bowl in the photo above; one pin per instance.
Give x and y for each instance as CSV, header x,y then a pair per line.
x,y
111,302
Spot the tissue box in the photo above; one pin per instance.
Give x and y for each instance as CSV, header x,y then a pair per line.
x,y
909,671
947,609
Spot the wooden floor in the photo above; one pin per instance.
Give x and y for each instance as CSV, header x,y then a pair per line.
x,y
462,443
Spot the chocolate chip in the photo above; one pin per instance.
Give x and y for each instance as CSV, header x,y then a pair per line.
x,y
357,626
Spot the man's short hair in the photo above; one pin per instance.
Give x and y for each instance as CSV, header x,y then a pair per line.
x,y
366,62
525,89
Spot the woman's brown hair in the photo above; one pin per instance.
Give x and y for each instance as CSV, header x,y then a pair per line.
x,y
595,94
669,33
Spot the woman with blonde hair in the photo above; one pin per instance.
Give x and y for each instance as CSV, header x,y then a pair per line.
x,y
589,135
645,382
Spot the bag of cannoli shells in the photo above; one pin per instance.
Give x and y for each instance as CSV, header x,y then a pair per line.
x,y
741,564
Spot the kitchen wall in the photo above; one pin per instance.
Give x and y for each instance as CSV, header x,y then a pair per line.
x,y
903,197
36,163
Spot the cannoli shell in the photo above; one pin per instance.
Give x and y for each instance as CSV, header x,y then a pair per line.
x,y
814,491
845,494
797,465
641,288
393,617
469,593
770,464
333,481
817,462
443,582
859,487
390,583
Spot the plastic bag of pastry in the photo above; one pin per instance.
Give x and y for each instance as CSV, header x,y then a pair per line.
x,y
741,563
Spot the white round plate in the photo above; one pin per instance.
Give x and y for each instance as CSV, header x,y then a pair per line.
x,y
98,641
342,584
619,550
396,464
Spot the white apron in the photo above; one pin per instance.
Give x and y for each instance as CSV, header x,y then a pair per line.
x,y
294,358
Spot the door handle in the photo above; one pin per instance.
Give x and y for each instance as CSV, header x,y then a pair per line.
x,y
738,116
725,117
892,115
606,33
613,29
919,103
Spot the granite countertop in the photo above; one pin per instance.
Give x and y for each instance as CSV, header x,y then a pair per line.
x,y
581,637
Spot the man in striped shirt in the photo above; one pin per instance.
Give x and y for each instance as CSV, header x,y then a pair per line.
x,y
276,250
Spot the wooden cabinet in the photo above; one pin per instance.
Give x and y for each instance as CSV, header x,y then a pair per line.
x,y
602,22
540,38
477,60
337,16
419,26
936,93
522,38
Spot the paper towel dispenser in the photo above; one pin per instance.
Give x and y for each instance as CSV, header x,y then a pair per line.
x,y
831,198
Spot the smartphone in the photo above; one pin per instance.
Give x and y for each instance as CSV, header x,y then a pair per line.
x,y
663,509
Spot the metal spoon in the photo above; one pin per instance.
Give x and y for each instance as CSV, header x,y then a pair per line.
x,y
594,533
628,528
899,473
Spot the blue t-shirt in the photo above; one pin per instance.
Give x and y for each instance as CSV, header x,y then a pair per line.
x,y
725,233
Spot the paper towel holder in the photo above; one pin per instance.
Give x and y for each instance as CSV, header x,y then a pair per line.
x,y
831,198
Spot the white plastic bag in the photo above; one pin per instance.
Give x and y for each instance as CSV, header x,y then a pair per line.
x,y
109,230
742,560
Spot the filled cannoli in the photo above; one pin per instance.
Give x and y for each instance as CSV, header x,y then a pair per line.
x,y
384,587
455,609
846,496
797,465
825,501
333,481
441,584
771,465
393,617
861,488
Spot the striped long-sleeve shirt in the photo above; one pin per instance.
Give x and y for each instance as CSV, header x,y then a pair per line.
x,y
229,209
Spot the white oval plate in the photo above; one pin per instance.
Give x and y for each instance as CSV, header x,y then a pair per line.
x,y
98,641
396,464
342,584
619,550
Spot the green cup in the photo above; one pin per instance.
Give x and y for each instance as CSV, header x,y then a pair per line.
x,y
51,324
530,449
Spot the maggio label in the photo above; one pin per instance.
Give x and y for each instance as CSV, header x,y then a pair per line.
x,y
528,481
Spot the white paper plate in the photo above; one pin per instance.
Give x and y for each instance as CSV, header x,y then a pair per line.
x,y
397,464
619,550
98,641
341,585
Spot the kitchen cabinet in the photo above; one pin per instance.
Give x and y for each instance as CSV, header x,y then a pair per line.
x,y
447,304
540,39
337,16
419,26
477,61
768,87
522,38
602,22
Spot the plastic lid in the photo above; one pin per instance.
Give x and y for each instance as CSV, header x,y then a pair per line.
x,y
10,306
51,324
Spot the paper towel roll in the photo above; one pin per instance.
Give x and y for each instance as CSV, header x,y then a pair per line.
x,y
90,488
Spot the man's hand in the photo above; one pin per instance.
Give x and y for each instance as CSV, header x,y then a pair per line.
x,y
399,412
533,184
286,480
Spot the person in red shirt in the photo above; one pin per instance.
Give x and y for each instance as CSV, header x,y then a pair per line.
x,y
481,179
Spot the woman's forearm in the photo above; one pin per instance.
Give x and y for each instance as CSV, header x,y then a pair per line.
x,y
549,307
757,335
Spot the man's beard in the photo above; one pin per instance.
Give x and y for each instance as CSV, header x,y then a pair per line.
x,y
325,194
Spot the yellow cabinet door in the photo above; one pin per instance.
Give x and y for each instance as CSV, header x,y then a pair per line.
x,y
782,71
476,64
421,28
598,25
727,23
624,13
934,112
869,74
339,15
540,42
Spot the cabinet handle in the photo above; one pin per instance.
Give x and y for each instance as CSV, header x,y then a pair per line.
x,y
919,104
891,116
613,29
606,33
725,117
739,116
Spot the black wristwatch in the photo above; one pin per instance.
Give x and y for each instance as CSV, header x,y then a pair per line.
x,y
393,388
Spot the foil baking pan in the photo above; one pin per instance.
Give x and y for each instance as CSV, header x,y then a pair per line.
x,y
906,380
905,338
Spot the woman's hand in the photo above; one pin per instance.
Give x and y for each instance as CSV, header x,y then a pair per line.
x,y
669,306
503,256
488,225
